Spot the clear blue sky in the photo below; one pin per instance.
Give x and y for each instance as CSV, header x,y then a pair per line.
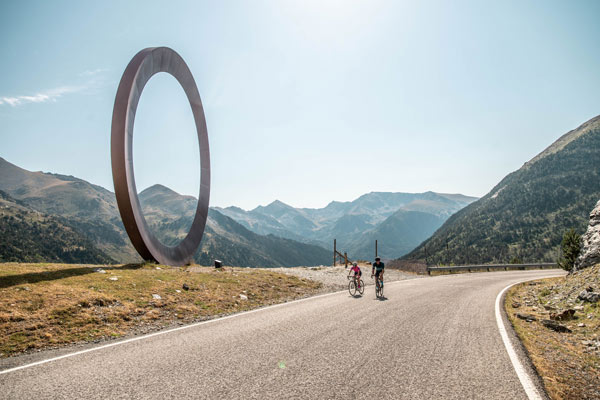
x,y
306,101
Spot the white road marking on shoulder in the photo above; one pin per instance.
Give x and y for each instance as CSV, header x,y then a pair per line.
x,y
526,382
6,371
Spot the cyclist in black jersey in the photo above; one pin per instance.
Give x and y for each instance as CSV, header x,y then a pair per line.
x,y
378,269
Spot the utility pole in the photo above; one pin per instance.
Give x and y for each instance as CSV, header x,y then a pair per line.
x,y
375,248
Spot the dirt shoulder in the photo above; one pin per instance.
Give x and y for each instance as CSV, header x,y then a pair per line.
x,y
559,325
48,306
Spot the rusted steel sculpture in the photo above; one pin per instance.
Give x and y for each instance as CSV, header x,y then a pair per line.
x,y
141,68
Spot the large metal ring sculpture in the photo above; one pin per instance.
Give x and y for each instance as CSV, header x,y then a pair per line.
x,y
141,68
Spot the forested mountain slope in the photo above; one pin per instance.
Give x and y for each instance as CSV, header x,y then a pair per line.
x,y
525,215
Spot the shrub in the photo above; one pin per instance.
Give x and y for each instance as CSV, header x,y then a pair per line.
x,y
516,260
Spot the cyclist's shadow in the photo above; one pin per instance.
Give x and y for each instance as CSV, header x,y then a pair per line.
x,y
381,298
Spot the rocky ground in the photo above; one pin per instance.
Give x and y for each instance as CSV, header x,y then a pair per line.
x,y
558,321
334,278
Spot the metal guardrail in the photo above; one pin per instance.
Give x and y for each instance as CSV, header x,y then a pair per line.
x,y
490,267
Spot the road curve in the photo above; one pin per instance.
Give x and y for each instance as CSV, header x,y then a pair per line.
x,y
433,338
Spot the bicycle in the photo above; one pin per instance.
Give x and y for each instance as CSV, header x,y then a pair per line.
x,y
378,286
355,285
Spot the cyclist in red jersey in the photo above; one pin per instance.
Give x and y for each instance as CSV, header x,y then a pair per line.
x,y
357,273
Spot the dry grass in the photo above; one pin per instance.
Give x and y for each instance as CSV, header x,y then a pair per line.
x,y
567,363
52,305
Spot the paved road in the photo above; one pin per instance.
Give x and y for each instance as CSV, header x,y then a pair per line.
x,y
433,338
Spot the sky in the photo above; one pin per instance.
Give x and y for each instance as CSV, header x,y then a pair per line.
x,y
306,101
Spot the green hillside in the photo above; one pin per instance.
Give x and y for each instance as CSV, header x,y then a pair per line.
x,y
526,214
30,236
89,208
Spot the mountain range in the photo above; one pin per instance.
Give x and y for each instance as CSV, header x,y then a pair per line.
x,y
399,221
54,217
169,215
524,217
272,235
44,208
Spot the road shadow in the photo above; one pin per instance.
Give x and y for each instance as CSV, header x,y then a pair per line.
x,y
35,277
381,298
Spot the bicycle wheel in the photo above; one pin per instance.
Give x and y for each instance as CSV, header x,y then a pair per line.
x,y
352,287
361,289
381,288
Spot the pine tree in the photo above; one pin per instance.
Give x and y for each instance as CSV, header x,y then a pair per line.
x,y
570,249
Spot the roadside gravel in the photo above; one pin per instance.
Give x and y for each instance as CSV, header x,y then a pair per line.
x,y
334,278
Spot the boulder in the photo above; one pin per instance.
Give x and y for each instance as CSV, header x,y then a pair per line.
x,y
590,252
590,297
555,326
563,315
526,317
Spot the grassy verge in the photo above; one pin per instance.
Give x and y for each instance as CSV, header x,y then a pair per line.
x,y
52,305
568,362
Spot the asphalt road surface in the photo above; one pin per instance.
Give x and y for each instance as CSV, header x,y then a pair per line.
x,y
434,338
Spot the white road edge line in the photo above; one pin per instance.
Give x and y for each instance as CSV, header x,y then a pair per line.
x,y
526,382
135,339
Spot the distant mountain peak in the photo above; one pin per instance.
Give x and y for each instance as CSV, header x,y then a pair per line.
x,y
278,203
233,208
158,188
275,205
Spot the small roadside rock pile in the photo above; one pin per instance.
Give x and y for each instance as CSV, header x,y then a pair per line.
x,y
590,252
